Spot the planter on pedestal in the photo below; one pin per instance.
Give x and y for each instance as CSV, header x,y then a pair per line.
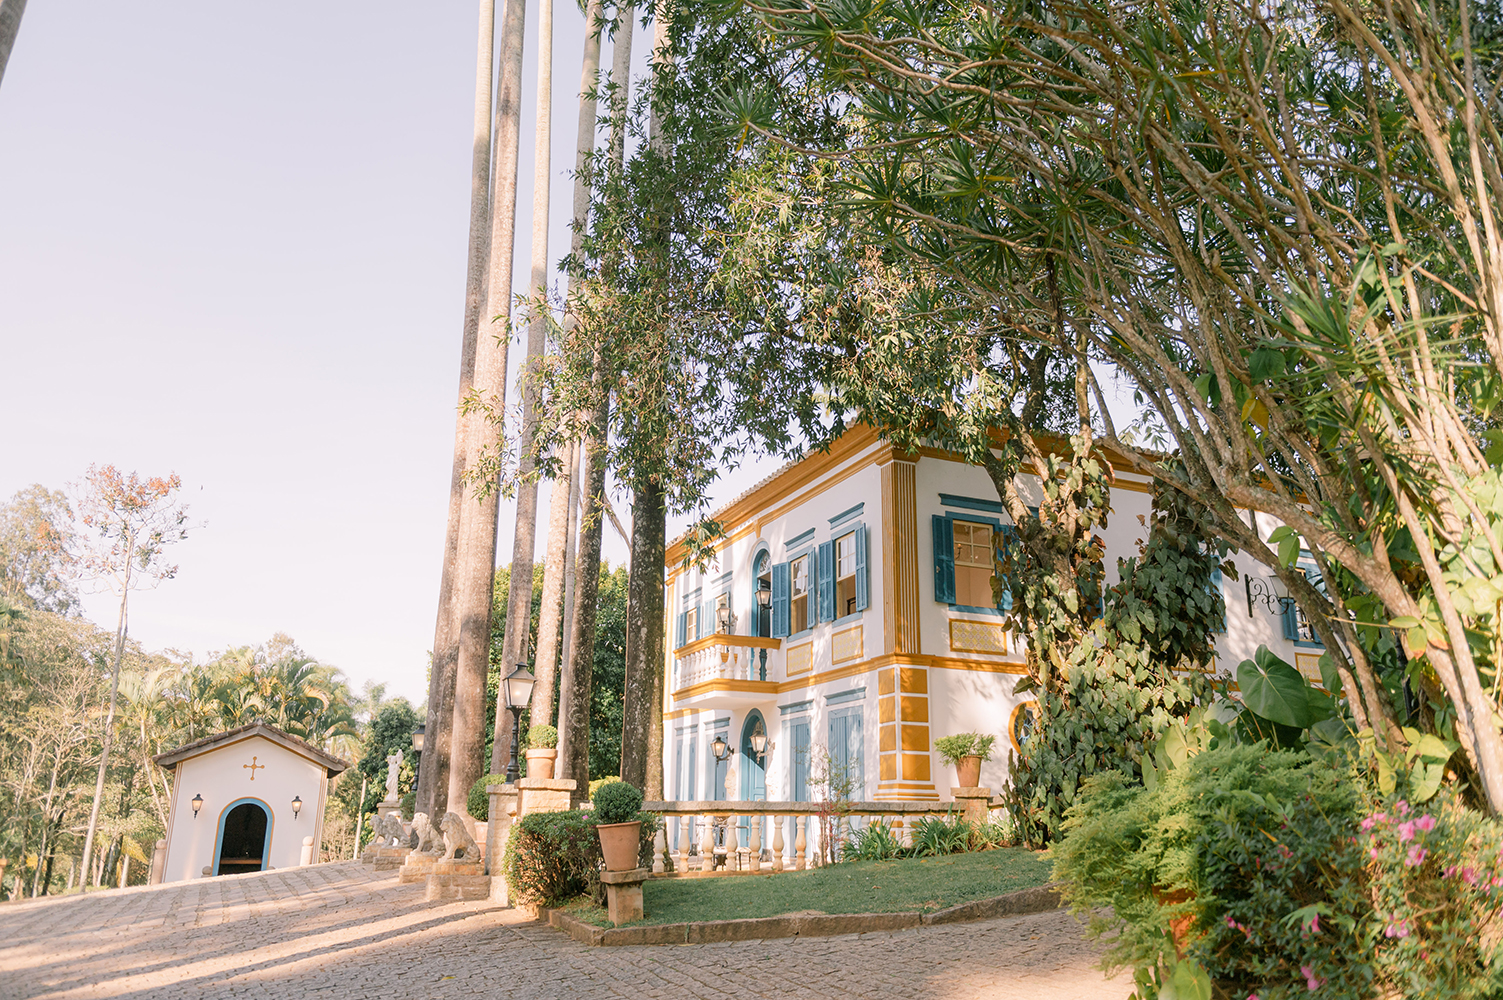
x,y
968,771
540,762
620,843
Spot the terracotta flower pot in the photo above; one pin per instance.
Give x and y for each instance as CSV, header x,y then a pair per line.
x,y
619,842
968,772
540,763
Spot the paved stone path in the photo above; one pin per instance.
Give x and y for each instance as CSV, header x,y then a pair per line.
x,y
343,932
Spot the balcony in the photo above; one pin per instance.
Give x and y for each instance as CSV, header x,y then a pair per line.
x,y
724,670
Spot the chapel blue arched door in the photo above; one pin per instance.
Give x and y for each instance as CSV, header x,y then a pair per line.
x,y
244,838
753,775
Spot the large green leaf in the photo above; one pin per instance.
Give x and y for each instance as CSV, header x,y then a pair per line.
x,y
1275,690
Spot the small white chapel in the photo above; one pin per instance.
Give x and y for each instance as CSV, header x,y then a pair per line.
x,y
246,800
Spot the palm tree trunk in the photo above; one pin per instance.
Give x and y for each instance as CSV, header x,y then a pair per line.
x,y
476,558
650,596
524,538
551,613
644,633
10,24
433,778
109,716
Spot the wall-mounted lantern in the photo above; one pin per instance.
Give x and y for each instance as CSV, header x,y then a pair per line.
x,y
297,805
722,750
198,803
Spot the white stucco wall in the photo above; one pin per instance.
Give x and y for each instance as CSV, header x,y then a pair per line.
x,y
219,775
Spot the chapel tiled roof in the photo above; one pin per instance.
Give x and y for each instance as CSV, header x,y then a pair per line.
x,y
172,758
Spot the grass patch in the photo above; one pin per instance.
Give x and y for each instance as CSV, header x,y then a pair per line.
x,y
908,885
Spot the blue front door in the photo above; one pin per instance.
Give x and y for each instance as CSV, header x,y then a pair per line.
x,y
753,775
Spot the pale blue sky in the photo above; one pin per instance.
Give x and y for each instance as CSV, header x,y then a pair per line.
x,y
233,246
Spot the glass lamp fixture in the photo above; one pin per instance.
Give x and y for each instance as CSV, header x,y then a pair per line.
x,y
198,803
764,595
417,739
720,749
297,805
519,687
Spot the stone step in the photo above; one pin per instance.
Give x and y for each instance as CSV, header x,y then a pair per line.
x,y
415,868
458,887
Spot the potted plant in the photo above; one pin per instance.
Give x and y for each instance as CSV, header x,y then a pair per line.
x,y
966,751
542,750
617,820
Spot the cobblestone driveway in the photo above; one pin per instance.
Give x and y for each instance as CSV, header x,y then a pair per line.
x,y
342,931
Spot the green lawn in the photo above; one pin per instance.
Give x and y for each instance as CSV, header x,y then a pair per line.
x,y
914,884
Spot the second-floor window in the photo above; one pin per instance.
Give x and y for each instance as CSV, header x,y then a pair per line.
x,y
845,575
798,609
973,564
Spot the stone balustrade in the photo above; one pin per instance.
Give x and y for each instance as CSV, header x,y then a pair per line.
x,y
727,657
723,837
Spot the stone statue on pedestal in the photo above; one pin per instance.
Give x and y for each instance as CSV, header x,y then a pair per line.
x,y
393,770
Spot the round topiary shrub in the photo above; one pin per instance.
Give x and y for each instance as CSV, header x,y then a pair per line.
x,y
617,802
478,801
542,737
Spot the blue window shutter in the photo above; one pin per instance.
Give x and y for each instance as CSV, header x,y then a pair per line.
x,y
703,623
683,628
863,585
1291,622
854,756
944,560
782,584
827,581
801,761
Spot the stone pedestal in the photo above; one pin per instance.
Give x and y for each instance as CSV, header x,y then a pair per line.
x,y
503,812
416,867
975,802
454,880
544,795
389,859
623,895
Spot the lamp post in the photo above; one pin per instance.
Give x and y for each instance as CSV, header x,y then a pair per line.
x,y
417,750
764,602
518,691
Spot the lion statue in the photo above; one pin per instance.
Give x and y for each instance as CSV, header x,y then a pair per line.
x,y
457,840
389,829
429,840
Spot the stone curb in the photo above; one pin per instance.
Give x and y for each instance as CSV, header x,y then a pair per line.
x,y
1035,900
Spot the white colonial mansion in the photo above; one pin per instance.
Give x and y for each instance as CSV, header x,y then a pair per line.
x,y
877,633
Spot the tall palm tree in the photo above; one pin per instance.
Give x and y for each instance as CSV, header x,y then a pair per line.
x,y
433,780
475,559
10,24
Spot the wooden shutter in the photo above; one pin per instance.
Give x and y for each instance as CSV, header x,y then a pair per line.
x,y
782,583
944,560
827,581
706,624
683,629
800,761
863,584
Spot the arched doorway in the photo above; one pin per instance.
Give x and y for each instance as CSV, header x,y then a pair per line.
x,y
753,774
244,830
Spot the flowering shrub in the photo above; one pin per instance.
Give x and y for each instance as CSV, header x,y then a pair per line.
x,y
551,857
1246,853
1437,880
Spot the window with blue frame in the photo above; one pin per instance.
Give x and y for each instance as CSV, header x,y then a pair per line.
x,y
827,583
966,548
847,764
1296,626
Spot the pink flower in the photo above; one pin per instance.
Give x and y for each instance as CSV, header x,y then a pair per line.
x,y
1469,875
1426,822
1368,823
1373,853
1314,926
1398,930
1416,856
1406,831
1403,808
1312,981
1380,817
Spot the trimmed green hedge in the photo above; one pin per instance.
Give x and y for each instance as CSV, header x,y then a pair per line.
x,y
552,857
